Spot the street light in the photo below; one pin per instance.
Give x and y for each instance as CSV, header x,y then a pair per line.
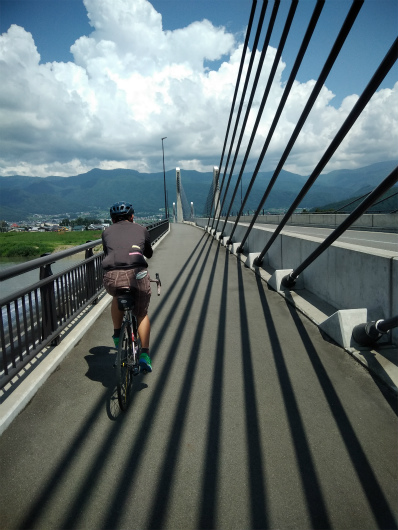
x,y
164,182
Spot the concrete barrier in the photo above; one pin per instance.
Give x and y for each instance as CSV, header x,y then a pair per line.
x,y
380,222
344,276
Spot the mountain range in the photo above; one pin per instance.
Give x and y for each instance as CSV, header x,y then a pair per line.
x,y
93,192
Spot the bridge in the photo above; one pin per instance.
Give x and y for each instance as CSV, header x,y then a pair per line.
x,y
263,410
251,418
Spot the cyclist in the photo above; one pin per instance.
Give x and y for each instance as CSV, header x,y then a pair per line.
x,y
125,244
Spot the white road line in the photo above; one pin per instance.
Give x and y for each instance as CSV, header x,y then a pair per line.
x,y
370,240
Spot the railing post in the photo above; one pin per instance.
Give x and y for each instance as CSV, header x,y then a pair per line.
x,y
47,294
90,272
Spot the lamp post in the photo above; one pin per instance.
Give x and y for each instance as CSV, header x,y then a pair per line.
x,y
164,182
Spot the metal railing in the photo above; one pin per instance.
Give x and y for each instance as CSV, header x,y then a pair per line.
x,y
34,317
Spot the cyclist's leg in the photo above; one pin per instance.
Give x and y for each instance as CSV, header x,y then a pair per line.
x,y
144,330
141,289
117,319
116,314
113,281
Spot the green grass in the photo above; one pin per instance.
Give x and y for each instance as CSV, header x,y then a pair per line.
x,y
34,244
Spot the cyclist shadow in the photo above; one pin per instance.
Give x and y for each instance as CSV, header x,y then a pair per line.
x,y
100,363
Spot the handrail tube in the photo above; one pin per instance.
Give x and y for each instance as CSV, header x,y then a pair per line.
x,y
16,270
289,280
245,46
242,99
264,99
370,332
43,282
370,89
303,48
341,37
11,272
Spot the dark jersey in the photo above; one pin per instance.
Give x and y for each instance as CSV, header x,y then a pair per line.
x,y
125,245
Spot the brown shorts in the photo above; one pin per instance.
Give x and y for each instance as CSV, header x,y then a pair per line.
x,y
126,279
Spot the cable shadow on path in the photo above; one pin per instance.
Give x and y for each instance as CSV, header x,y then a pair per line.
x,y
49,491
255,455
369,482
163,491
121,493
207,517
309,478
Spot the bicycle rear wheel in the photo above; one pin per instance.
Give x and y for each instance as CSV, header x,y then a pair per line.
x,y
123,372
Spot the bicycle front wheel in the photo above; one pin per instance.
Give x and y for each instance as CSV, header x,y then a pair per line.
x,y
123,372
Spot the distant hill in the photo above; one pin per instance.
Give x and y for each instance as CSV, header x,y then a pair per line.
x,y
388,202
22,197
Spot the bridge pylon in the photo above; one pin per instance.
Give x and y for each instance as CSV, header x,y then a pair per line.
x,y
216,194
179,213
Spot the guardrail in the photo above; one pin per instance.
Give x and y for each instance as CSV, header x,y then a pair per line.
x,y
378,222
35,316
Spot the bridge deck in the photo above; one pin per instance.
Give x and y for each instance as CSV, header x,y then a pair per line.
x,y
250,419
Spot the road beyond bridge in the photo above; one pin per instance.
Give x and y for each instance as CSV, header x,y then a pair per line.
x,y
251,418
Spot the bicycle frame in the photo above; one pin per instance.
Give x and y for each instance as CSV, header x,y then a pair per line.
x,y
127,359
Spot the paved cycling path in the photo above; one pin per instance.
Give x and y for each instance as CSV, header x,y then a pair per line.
x,y
250,419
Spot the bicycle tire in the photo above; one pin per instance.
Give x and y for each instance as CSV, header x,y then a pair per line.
x,y
123,372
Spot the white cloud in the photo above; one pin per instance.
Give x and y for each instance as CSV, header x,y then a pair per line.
x,y
132,83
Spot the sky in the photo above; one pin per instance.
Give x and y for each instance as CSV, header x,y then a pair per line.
x,y
98,83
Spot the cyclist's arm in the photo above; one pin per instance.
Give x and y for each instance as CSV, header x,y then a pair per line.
x,y
148,250
104,248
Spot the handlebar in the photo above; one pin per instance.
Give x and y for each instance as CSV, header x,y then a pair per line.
x,y
158,282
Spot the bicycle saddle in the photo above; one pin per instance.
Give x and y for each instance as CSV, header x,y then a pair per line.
x,y
125,301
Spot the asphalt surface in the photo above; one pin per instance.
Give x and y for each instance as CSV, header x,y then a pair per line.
x,y
251,419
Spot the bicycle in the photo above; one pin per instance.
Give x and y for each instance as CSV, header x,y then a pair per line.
x,y
128,353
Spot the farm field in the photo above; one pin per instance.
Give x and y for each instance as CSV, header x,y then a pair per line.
x,y
33,244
